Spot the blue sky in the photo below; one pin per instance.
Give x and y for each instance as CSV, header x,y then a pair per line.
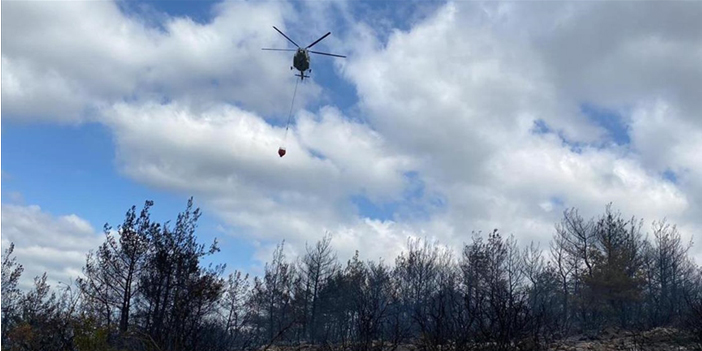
x,y
71,169
446,118
80,160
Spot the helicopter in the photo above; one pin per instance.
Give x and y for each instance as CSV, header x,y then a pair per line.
x,y
301,60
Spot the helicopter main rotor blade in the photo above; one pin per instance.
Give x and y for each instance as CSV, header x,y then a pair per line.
x,y
318,40
324,53
270,49
286,37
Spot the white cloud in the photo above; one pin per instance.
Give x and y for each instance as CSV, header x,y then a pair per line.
x,y
463,95
88,54
227,157
618,54
452,99
173,145
667,140
43,242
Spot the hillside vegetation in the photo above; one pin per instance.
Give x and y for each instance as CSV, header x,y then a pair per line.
x,y
601,284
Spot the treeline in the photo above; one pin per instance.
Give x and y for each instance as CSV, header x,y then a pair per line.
x,y
146,288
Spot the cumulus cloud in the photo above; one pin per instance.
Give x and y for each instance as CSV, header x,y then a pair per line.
x,y
668,141
89,54
47,243
450,104
621,53
464,91
226,156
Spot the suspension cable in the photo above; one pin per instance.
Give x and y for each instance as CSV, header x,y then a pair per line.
x,y
287,126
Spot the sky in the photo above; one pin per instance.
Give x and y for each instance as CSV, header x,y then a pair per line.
x,y
446,118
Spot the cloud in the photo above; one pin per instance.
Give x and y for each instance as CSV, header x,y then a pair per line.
x,y
619,54
444,128
43,242
668,141
453,98
462,92
87,55
227,157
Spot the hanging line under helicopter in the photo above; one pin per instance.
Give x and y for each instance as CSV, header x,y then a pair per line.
x,y
301,62
281,149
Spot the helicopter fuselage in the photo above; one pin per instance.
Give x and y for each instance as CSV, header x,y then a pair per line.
x,y
301,61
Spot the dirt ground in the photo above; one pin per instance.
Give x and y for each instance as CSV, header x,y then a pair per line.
x,y
659,339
